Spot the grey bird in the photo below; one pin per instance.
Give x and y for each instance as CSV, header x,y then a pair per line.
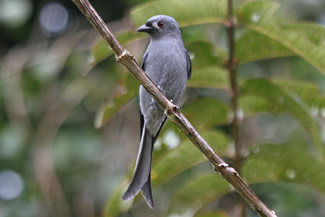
x,y
168,64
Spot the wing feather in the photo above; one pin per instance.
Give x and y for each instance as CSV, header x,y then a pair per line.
x,y
188,65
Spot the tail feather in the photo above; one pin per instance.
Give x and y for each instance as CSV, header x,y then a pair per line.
x,y
146,192
141,179
143,166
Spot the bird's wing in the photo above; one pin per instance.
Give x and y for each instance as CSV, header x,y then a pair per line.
x,y
141,123
188,65
143,64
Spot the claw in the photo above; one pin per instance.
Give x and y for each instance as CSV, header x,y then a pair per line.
x,y
161,90
176,108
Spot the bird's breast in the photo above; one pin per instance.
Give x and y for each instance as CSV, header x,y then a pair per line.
x,y
166,66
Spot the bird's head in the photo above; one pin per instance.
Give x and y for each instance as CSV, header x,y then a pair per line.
x,y
159,26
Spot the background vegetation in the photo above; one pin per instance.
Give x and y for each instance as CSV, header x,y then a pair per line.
x,y
60,83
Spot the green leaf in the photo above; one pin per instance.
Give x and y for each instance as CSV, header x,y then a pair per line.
x,y
209,77
128,90
204,54
198,191
101,50
280,100
206,61
251,105
252,46
288,163
314,32
260,17
186,12
306,91
206,112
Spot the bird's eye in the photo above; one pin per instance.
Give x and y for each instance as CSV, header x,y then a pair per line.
x,y
161,24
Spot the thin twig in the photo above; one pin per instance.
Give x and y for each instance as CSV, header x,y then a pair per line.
x,y
172,111
231,65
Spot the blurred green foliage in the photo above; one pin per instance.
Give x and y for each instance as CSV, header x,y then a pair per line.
x,y
57,88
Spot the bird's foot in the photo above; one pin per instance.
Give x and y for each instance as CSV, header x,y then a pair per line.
x,y
175,108
161,90
170,111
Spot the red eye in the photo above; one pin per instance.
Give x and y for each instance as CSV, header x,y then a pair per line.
x,y
161,24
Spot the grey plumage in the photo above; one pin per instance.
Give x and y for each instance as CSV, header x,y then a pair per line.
x,y
168,65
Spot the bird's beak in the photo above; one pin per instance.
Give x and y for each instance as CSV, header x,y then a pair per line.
x,y
145,28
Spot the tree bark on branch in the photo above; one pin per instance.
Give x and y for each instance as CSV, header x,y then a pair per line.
x,y
173,112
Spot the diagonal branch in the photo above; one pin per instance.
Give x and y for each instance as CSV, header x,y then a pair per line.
x,y
173,112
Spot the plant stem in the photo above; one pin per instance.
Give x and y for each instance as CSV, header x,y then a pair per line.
x,y
231,65
173,112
